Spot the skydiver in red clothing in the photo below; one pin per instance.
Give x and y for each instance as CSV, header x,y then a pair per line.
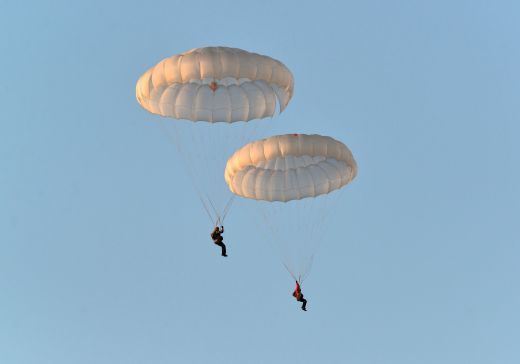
x,y
299,296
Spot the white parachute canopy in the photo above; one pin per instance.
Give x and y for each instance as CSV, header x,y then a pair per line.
x,y
216,84
289,177
290,167
220,86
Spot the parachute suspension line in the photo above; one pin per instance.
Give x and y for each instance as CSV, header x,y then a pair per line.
x,y
188,162
206,208
312,241
298,266
307,269
227,208
201,198
215,140
291,273
270,227
217,220
274,236
174,137
322,213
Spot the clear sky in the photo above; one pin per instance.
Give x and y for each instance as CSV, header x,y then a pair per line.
x,y
104,249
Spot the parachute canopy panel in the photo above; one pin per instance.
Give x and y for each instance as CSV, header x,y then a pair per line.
x,y
290,167
216,84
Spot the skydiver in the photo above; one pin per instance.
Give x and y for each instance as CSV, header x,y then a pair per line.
x,y
299,296
216,235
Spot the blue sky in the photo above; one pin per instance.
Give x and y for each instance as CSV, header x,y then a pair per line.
x,y
104,248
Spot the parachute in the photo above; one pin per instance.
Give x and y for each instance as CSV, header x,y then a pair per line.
x,y
225,88
290,167
289,177
216,84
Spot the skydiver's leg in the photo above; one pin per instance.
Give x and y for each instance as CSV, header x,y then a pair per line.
x,y
221,244
304,304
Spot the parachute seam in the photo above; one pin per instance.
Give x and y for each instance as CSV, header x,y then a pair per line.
x,y
326,174
192,113
181,58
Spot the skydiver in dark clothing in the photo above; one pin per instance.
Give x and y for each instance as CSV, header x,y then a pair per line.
x,y
299,296
216,235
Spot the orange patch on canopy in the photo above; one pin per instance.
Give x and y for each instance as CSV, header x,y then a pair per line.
x,y
213,86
